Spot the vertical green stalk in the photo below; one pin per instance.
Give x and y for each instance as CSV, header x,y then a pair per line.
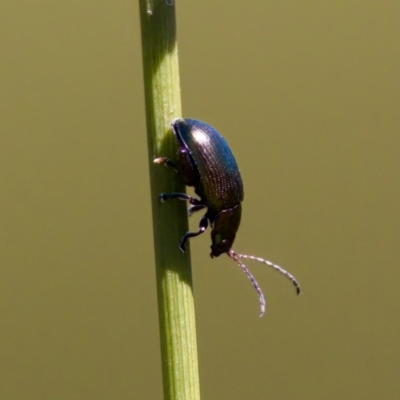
x,y
174,278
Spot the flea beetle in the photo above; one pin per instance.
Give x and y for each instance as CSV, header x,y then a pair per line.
x,y
205,161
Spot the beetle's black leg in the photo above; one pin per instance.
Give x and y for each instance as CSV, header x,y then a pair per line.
x,y
180,196
202,227
196,207
166,161
196,204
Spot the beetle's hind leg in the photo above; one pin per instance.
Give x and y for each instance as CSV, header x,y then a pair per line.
x,y
166,161
202,227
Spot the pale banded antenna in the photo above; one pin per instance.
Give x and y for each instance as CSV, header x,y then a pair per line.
x,y
235,256
232,254
277,267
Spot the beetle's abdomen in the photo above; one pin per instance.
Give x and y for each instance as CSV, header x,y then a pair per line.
x,y
220,184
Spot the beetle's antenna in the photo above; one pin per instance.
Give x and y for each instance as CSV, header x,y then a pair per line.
x,y
277,267
232,254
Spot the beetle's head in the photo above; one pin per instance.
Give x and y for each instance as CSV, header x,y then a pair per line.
x,y
224,230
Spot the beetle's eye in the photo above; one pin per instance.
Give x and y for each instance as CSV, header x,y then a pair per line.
x,y
221,247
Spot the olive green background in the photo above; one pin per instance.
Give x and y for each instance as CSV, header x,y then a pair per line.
x,y
307,95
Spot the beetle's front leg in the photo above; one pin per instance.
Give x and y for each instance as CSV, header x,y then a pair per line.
x,y
202,227
195,207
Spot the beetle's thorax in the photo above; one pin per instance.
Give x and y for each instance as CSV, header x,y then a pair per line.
x,y
224,228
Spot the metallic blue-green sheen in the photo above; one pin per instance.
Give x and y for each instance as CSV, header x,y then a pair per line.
x,y
220,185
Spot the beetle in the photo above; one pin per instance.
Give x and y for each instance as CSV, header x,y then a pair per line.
x,y
205,161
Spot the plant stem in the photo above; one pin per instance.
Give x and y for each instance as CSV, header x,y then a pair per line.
x,y
173,269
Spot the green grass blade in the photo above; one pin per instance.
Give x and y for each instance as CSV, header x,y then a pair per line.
x,y
174,278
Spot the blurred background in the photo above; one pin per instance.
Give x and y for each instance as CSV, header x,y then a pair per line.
x,y
307,95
